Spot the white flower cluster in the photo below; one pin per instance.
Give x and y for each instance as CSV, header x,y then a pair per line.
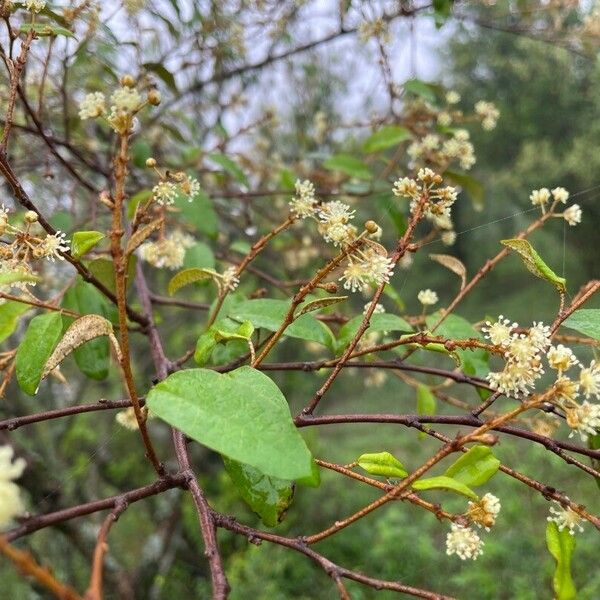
x,y
167,252
523,354
11,504
437,200
427,297
489,114
464,542
565,518
16,257
366,268
304,203
559,195
35,6
126,101
434,149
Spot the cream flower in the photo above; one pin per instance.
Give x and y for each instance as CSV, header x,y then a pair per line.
x,y
561,358
92,106
499,333
560,194
11,504
464,542
573,215
427,297
304,202
565,518
540,197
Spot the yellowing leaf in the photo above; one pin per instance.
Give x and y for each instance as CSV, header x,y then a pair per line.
x,y
188,276
319,304
453,264
142,234
535,264
82,330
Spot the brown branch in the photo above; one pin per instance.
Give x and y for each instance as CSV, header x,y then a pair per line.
x,y
94,591
220,585
120,262
60,516
27,565
331,569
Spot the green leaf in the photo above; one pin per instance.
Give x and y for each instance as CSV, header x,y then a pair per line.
x,y
379,322
389,203
586,321
445,483
135,200
561,545
386,137
230,167
16,276
535,264
45,29
313,480
83,241
41,337
442,10
475,467
270,314
200,213
10,312
382,463
199,255
93,357
472,186
349,165
241,414
140,152
161,71
454,327
103,269
427,91
187,277
426,404
204,348
268,497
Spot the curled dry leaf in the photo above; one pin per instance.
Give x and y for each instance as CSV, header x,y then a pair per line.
x,y
376,247
82,330
142,234
452,263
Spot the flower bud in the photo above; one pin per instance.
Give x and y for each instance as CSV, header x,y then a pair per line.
x,y
151,163
331,287
127,81
154,97
31,216
371,226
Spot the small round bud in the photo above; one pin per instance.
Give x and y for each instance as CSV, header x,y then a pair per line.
x,y
154,97
151,163
38,252
371,226
331,287
128,81
31,216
